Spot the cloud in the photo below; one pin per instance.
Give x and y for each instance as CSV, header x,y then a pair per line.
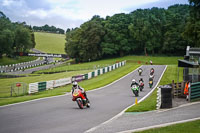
x,y
68,13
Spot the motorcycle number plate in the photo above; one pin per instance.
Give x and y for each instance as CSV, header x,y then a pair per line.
x,y
75,92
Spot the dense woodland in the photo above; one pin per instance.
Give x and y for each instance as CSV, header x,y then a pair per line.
x,y
144,31
14,37
47,28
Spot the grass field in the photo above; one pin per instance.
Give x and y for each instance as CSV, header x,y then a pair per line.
x,y
188,127
132,63
8,61
50,43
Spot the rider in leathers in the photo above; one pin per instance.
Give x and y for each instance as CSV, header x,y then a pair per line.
x,y
134,83
75,86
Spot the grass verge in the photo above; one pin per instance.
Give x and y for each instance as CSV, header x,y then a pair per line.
x,y
188,127
150,102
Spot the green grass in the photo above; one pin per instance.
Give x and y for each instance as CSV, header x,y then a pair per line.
x,y
103,63
7,82
150,102
132,63
187,127
50,43
8,61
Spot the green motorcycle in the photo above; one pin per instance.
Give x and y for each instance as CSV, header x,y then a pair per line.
x,y
135,90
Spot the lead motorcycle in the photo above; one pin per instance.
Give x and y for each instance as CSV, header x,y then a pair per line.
x,y
79,98
135,90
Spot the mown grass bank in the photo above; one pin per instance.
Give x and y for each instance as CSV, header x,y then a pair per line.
x,y
50,43
188,127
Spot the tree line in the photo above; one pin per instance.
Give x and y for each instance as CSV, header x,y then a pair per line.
x,y
143,31
14,37
47,28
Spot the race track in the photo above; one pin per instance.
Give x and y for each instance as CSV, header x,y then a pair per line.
x,y
61,115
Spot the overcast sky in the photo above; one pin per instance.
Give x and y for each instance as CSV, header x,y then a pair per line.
x,y
72,13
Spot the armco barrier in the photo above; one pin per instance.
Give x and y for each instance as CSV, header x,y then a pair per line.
x,y
194,91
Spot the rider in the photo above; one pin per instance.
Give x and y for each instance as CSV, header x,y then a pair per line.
x,y
76,86
141,79
140,70
134,83
151,71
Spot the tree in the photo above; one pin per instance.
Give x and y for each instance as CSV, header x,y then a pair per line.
x,y
116,40
23,40
174,42
192,28
138,29
84,43
6,42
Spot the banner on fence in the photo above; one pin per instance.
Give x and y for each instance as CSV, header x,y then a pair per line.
x,y
78,78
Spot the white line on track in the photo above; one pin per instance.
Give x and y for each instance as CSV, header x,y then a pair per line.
x,y
118,115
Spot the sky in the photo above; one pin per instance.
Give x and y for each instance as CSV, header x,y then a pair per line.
x,y
72,13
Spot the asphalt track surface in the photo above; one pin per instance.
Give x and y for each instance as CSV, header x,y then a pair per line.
x,y
61,115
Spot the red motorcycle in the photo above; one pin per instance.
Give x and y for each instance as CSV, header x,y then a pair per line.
x,y
80,99
141,85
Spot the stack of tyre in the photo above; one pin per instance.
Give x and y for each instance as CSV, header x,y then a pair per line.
x,y
166,96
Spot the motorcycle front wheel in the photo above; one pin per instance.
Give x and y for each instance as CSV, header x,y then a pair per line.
x,y
80,103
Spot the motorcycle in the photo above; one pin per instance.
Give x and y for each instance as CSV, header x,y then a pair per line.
x,y
150,82
140,72
141,85
135,90
151,71
79,98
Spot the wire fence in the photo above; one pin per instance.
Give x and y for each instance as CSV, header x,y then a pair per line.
x,y
16,89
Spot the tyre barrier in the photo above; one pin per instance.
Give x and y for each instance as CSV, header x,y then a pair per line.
x,y
166,96
158,105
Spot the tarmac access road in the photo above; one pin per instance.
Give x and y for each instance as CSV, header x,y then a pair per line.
x,y
61,115
131,122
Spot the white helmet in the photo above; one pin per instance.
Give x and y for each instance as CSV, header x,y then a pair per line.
x,y
75,83
133,80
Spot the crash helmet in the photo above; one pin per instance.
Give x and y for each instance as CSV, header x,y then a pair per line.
x,y
75,84
133,80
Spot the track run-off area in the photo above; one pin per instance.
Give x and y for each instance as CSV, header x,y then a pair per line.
x,y
60,114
